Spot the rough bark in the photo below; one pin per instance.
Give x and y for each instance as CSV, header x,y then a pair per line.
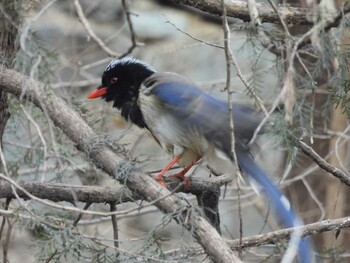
x,y
239,9
68,193
8,49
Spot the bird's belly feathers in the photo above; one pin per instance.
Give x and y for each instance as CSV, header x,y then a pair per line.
x,y
179,139
170,133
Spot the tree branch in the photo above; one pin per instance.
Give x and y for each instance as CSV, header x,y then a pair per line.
x,y
275,237
344,178
90,32
306,230
96,194
63,192
239,9
70,122
134,43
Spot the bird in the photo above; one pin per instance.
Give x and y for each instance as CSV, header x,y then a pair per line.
x,y
191,125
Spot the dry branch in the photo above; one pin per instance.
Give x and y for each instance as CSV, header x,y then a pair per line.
x,y
70,122
105,194
279,235
63,192
90,32
96,194
323,163
239,9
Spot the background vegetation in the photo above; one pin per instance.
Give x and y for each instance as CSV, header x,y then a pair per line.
x,y
74,177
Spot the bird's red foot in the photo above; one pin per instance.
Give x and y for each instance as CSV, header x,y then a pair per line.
x,y
161,182
159,177
182,176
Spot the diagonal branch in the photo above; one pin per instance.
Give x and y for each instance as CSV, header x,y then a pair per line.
x,y
90,32
306,230
134,42
275,237
344,178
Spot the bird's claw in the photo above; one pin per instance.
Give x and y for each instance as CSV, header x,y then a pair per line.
x,y
161,182
179,175
183,178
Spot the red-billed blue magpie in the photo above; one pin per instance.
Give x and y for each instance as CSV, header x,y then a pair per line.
x,y
190,125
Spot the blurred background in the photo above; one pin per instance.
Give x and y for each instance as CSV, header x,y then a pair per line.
x,y
55,48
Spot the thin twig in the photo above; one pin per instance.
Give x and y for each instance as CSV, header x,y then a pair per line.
x,y
6,242
134,42
256,20
76,221
239,73
314,197
290,69
90,32
229,60
41,136
193,37
114,220
322,163
7,205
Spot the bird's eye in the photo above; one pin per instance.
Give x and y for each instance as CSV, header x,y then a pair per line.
x,y
114,80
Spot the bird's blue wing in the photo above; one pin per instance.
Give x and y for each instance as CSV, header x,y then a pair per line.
x,y
209,116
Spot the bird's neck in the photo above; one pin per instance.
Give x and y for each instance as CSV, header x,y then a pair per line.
x,y
128,103
132,112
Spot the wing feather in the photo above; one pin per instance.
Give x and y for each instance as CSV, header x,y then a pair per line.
x,y
198,110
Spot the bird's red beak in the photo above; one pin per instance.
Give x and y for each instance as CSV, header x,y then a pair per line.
x,y
98,92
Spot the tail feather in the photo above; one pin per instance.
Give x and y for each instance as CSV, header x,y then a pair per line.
x,y
279,202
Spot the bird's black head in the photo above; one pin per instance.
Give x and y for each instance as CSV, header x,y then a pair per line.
x,y
121,83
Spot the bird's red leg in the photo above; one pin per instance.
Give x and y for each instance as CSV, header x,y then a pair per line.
x,y
182,173
159,177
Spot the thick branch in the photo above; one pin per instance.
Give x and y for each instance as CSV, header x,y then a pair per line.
x,y
63,192
97,194
70,122
239,9
60,192
207,192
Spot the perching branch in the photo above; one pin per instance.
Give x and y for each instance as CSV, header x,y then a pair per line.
x,y
62,192
70,122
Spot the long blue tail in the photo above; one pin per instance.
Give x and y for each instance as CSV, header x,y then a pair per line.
x,y
279,201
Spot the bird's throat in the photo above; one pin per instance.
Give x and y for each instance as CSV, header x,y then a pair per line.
x,y
130,111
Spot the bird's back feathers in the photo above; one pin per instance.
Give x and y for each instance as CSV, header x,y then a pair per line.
x,y
200,111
